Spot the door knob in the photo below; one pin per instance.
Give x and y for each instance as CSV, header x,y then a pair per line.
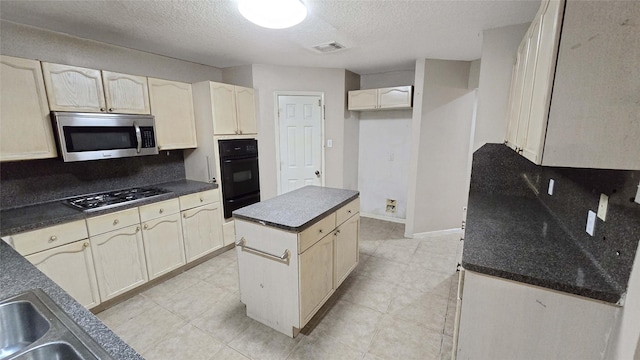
x,y
317,173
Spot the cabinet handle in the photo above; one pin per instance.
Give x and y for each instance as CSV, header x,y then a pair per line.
x,y
116,222
110,110
146,226
137,228
161,211
337,232
320,231
85,245
240,132
284,257
201,199
102,109
349,211
53,238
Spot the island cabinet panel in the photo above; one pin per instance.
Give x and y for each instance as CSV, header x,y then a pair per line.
x,y
316,277
346,248
502,319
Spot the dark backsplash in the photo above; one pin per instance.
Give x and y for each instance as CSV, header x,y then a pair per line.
x,y
29,182
499,170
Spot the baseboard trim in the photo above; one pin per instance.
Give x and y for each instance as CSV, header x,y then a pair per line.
x,y
427,234
385,218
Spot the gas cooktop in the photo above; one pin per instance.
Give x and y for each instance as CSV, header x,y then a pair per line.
x,y
101,201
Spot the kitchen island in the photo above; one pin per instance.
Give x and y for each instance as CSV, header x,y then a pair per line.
x,y
294,251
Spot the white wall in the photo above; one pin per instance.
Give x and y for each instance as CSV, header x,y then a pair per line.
x,y
474,74
385,150
439,149
44,45
499,48
238,75
269,78
351,136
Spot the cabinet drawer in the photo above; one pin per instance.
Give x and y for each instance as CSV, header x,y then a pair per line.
x,y
197,199
117,220
156,210
316,232
42,239
347,211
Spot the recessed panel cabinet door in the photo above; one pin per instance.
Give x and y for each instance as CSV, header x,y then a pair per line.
x,y
71,267
316,277
202,230
25,126
119,260
126,94
172,106
394,97
246,110
71,88
363,99
346,248
223,100
163,245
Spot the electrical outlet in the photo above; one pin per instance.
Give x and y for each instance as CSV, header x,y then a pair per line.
x,y
329,143
391,206
551,183
602,207
591,222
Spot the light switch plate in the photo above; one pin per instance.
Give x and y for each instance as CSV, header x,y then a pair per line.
x,y
591,222
551,183
602,207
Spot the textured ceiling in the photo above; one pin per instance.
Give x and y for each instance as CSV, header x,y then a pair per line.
x,y
379,35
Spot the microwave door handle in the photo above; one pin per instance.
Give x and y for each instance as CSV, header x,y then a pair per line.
x,y
138,136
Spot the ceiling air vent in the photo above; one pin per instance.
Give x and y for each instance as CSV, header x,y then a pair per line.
x,y
329,47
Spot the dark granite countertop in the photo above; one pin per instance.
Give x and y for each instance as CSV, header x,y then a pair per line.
x,y
517,238
298,209
17,220
17,275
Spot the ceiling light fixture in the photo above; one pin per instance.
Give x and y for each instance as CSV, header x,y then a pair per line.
x,y
273,14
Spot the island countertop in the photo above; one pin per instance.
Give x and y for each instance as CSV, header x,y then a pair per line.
x,y
298,209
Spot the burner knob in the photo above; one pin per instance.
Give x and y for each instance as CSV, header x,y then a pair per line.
x,y
53,238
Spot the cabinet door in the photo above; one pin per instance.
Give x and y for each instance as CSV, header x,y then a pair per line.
x,y
119,261
316,277
172,106
246,110
202,230
395,97
223,100
126,94
71,267
527,85
163,245
25,129
363,99
71,88
549,24
346,255
513,108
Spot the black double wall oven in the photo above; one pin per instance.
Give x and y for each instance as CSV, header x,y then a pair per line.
x,y
239,171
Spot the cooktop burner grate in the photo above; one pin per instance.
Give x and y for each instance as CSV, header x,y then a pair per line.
x,y
95,202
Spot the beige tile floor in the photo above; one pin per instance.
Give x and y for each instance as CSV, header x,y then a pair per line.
x,y
399,303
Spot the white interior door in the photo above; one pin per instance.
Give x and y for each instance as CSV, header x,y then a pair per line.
x,y
300,127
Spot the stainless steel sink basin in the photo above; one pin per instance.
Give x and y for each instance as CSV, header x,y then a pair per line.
x,y
33,327
21,325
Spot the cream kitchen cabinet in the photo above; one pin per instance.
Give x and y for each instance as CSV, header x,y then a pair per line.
x,y
398,97
231,108
172,106
162,237
575,109
62,252
286,276
201,223
72,88
25,129
118,253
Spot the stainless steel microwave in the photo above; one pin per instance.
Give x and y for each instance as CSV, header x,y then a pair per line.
x,y
93,136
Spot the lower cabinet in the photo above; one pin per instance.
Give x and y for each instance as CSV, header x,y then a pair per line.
x,y
119,261
202,230
163,245
346,249
71,267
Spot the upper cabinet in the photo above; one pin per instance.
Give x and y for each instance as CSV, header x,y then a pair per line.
x,y
574,99
172,107
25,127
233,109
399,97
71,88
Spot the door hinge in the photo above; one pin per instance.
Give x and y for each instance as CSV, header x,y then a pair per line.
x,y
319,102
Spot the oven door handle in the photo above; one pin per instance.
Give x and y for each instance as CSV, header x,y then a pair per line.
x,y
138,137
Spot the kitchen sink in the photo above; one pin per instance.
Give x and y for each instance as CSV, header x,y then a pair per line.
x,y
33,327
22,324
